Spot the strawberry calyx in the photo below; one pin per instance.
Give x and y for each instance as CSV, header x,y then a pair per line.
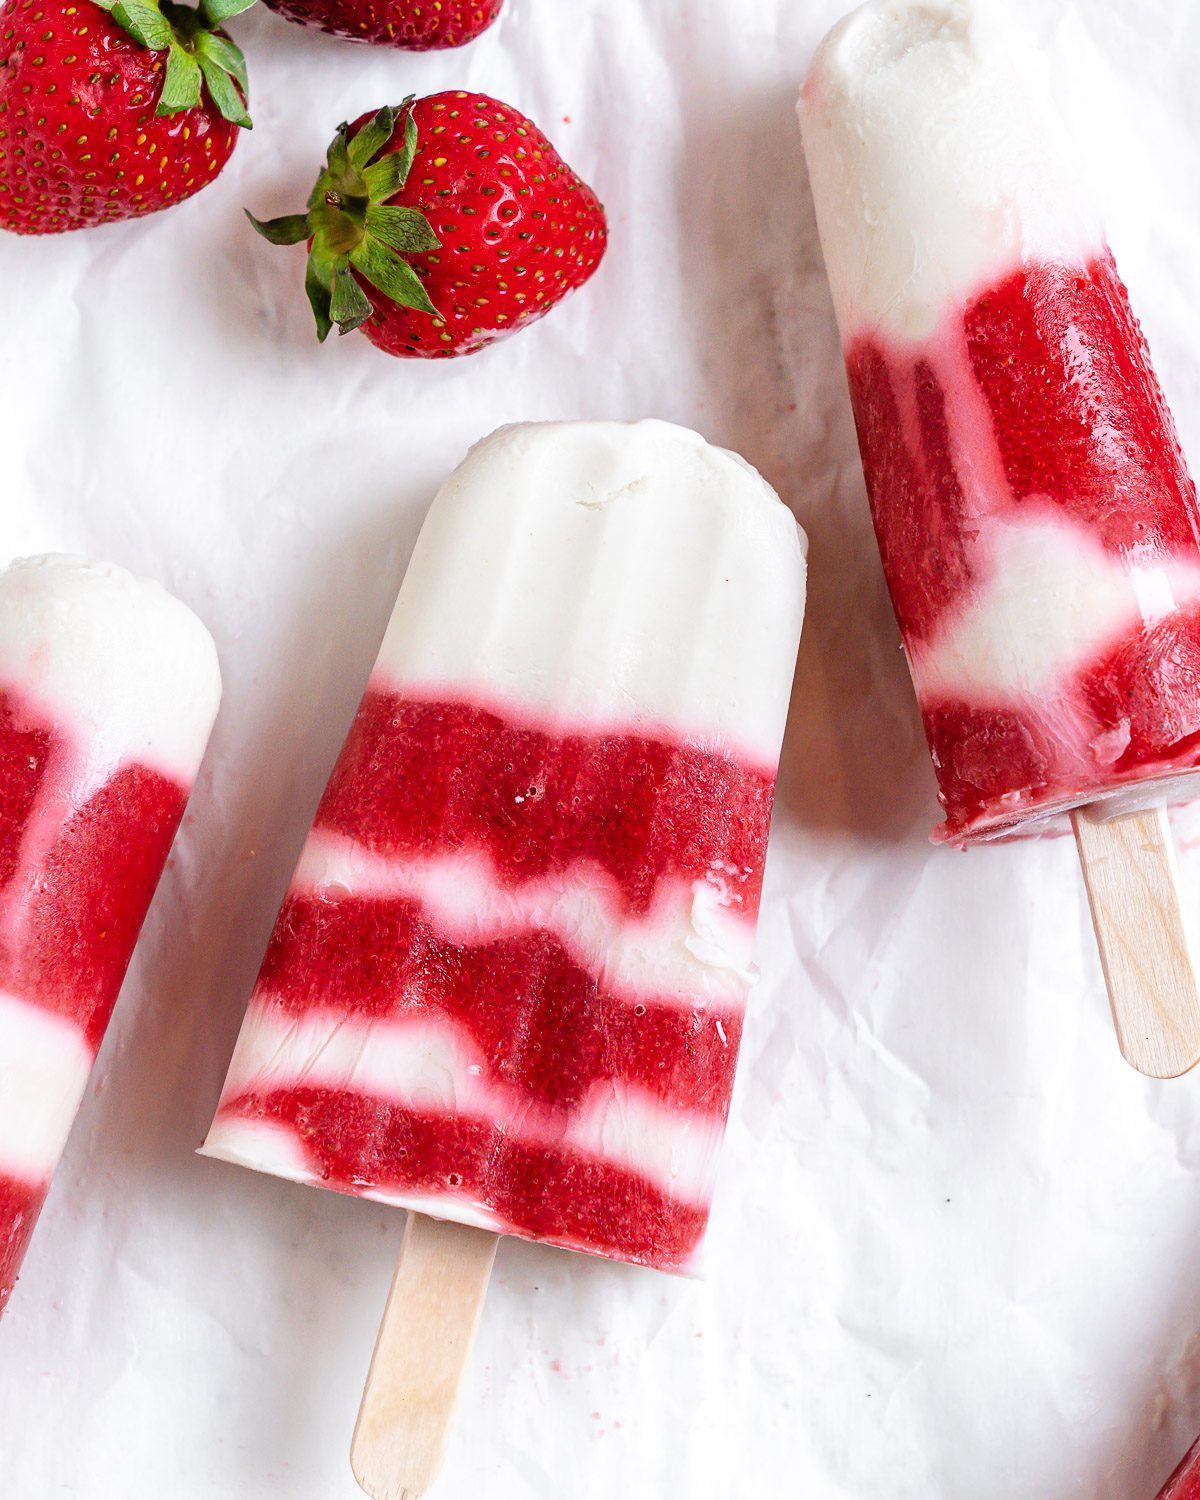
x,y
199,55
352,229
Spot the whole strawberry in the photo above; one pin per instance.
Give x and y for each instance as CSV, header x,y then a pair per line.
x,y
109,116
417,25
442,225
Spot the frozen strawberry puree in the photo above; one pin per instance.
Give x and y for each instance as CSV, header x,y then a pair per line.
x,y
67,928
549,1192
536,801
549,1034
507,984
93,785
1038,526
1044,385
20,1204
1184,1483
78,866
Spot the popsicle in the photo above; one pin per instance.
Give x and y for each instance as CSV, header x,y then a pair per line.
x,y
1037,522
507,984
108,690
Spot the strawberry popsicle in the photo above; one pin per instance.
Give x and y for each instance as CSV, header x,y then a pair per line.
x,y
108,689
507,983
1037,522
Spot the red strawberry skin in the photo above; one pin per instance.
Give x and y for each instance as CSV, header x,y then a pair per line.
x,y
80,143
416,25
519,229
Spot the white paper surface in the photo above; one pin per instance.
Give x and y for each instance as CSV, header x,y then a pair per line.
x,y
956,1248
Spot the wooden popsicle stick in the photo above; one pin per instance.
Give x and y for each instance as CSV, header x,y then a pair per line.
x,y
420,1357
1130,873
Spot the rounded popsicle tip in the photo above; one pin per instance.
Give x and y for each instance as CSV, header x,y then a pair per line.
x,y
617,573
604,459
647,465
937,161
885,34
114,657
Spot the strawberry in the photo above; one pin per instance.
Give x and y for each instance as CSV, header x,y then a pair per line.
x,y
112,110
417,25
442,225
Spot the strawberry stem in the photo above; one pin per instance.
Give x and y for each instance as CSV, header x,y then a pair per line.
x,y
198,55
355,234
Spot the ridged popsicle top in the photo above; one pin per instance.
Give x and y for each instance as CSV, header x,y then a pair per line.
x,y
606,574
116,660
937,161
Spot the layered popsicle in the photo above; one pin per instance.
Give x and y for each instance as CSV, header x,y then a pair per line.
x,y
507,984
108,690
1037,522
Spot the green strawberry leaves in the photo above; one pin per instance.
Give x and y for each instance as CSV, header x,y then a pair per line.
x,y
356,234
404,229
224,76
318,280
386,177
216,48
181,82
198,57
143,20
372,138
290,229
349,306
404,157
217,11
394,277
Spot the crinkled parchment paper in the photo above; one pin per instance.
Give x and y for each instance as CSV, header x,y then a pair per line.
x,y
956,1252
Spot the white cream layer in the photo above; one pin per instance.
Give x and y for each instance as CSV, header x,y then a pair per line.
x,y
119,664
621,574
45,1063
693,944
936,159
1052,599
435,1068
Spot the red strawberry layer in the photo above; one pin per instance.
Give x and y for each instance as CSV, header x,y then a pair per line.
x,y
1132,714
80,855
544,1024
421,778
20,1205
920,514
358,1144
24,756
1076,409
1039,400
638,824
78,866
